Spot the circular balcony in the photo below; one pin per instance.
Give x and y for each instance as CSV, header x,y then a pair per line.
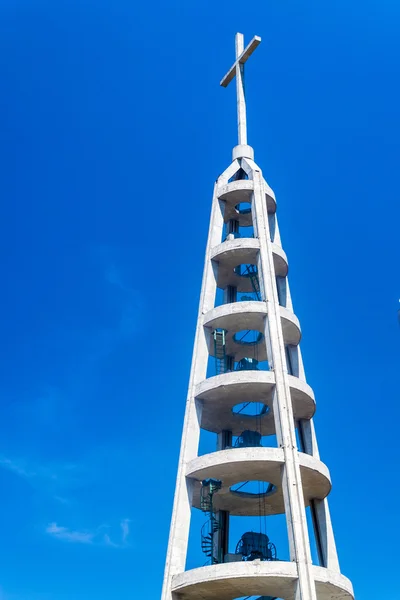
x,y
290,326
256,578
230,254
243,251
241,191
221,393
248,315
280,261
234,318
234,194
255,464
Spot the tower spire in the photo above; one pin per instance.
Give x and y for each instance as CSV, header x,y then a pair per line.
x,y
238,69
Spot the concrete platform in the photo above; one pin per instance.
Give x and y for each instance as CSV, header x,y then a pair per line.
x,y
275,578
243,251
219,394
241,191
280,260
239,316
290,326
255,464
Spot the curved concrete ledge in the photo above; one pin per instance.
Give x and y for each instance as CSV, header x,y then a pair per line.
x,y
315,478
255,578
280,261
303,399
233,193
219,394
230,254
223,250
235,317
249,315
331,585
242,191
233,580
236,191
243,251
270,198
255,464
290,326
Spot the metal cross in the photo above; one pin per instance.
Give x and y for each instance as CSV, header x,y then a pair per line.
x,y
238,69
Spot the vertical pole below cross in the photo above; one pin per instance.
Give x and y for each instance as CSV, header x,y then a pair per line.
x,y
241,102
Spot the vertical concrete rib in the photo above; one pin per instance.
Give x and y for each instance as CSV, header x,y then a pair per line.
x,y
320,508
283,413
181,512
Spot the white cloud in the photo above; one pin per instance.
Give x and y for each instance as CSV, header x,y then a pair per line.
x,y
124,525
69,535
109,542
90,537
125,529
51,480
61,499
18,467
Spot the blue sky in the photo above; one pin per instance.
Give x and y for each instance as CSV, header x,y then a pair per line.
x,y
114,129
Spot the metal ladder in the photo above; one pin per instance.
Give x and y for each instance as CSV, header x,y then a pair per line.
x,y
219,351
253,274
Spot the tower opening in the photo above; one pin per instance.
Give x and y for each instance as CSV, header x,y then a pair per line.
x,y
251,489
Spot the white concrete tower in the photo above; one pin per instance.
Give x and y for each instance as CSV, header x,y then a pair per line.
x,y
248,386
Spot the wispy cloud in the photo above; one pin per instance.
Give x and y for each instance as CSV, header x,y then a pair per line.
x,y
55,482
124,525
125,529
62,500
69,535
18,467
90,537
108,542
49,473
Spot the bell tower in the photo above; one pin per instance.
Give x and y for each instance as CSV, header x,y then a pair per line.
x,y
248,387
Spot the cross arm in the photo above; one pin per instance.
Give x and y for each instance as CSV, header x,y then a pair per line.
x,y
242,59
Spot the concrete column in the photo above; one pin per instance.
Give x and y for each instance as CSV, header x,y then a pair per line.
x,y
272,224
281,288
323,528
230,294
282,405
302,374
221,539
181,513
289,303
293,357
277,235
224,440
309,438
